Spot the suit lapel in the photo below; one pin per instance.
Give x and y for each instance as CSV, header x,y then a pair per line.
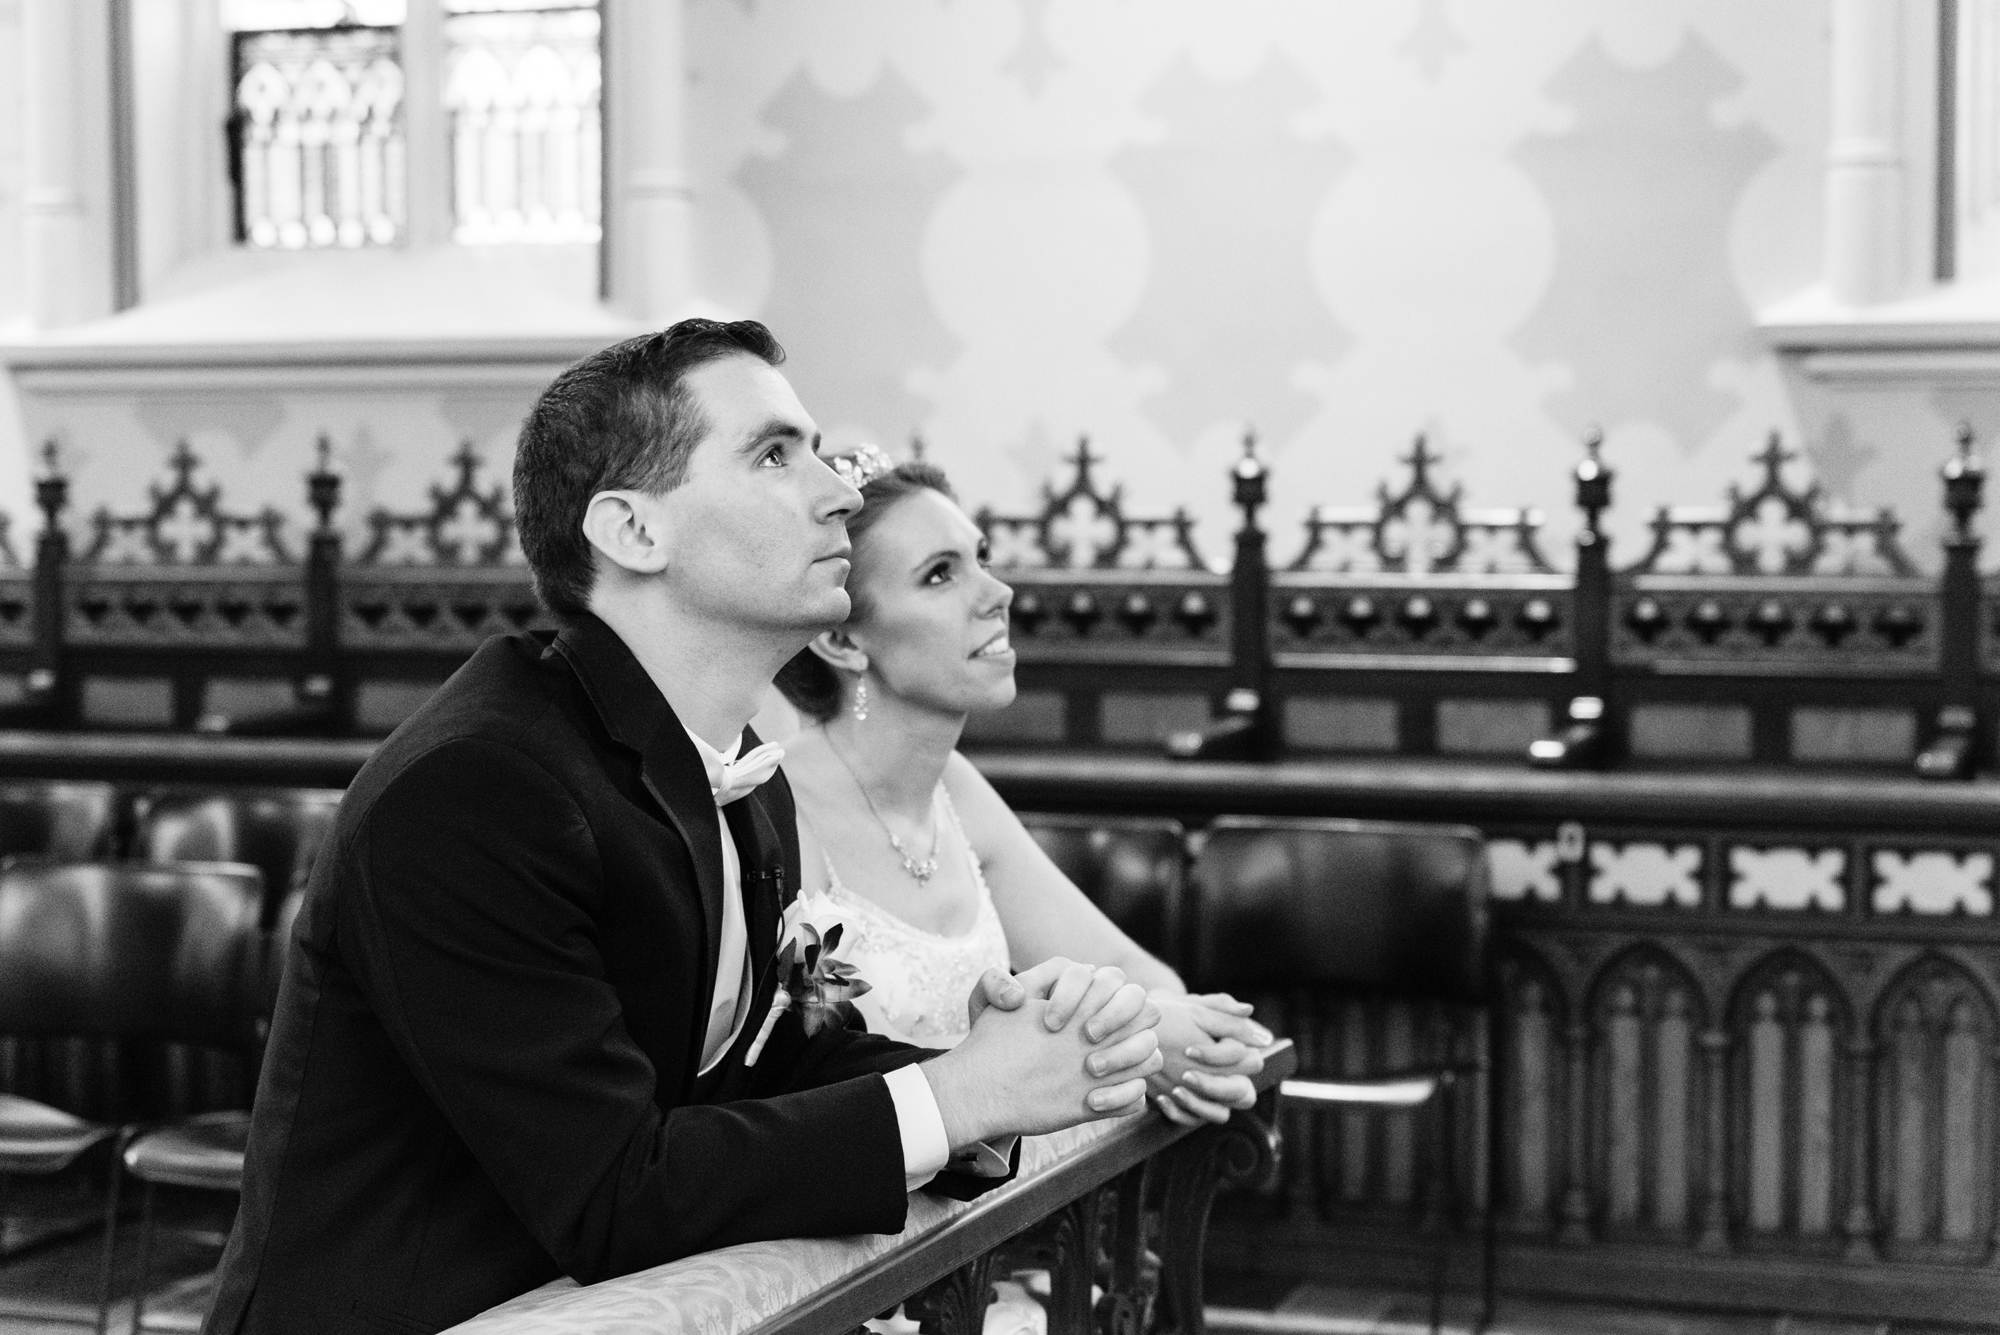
x,y
638,716
678,781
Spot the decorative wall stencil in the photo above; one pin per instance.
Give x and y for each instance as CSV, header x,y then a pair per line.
x,y
1432,41
1839,457
846,203
1647,875
1643,191
1787,878
1933,882
1231,310
1036,58
1521,870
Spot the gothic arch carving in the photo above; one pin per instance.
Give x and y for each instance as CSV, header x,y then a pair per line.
x,y
1790,1025
1934,1031
1534,1014
1646,1015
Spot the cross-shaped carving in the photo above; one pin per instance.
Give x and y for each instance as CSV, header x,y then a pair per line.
x,y
1083,529
185,530
1772,534
465,532
1419,537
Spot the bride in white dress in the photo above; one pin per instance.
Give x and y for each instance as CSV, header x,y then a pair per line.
x,y
939,878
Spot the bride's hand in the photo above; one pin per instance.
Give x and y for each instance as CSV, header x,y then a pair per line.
x,y
1212,1049
1109,1008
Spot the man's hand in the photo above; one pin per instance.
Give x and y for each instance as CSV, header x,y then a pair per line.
x,y
1013,1075
1211,1049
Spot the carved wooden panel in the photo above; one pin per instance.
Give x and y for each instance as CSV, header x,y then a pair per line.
x,y
210,607
1326,618
1789,1026
1139,617
1934,1035
392,608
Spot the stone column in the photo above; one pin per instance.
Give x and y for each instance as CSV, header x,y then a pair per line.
x,y
1864,163
649,213
64,66
425,132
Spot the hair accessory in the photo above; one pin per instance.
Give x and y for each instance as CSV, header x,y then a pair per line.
x,y
861,465
861,700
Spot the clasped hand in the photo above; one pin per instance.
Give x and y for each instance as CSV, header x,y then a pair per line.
x,y
1059,1044
1211,1048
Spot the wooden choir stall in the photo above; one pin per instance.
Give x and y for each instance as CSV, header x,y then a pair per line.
x,y
1737,1044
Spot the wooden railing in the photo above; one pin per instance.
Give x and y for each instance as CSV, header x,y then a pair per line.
x,y
1115,1213
1775,628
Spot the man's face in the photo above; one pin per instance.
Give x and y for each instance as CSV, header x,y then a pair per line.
x,y
757,531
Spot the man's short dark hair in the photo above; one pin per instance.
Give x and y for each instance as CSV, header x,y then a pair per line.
x,y
619,420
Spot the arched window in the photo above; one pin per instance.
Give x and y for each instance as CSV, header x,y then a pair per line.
x,y
325,103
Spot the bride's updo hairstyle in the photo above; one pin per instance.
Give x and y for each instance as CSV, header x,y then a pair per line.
x,y
809,681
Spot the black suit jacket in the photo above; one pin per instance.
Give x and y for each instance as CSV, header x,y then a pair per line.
x,y
482,1070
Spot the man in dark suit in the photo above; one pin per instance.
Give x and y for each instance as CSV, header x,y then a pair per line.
x,y
514,1036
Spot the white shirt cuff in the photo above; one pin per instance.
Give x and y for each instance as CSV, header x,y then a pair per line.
x,y
925,1147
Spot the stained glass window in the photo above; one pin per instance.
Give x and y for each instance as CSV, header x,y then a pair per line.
x,y
318,137
521,89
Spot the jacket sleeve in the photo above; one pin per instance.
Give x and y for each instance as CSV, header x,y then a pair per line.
x,y
794,1061
468,916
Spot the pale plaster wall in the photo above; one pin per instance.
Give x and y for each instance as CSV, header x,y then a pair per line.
x,y
1006,222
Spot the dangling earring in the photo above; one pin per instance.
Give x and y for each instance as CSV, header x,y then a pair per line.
x,y
861,700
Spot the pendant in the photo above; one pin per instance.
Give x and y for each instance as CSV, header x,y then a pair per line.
x,y
920,871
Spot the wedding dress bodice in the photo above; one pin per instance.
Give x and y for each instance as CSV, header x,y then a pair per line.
x,y
919,980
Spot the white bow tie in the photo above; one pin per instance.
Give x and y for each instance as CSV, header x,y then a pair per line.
x,y
735,779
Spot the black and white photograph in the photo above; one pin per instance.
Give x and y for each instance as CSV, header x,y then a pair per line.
x,y
999,667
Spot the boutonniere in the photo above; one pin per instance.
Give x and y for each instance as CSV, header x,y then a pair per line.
x,y
813,972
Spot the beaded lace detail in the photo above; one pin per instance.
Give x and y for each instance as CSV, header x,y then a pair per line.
x,y
919,980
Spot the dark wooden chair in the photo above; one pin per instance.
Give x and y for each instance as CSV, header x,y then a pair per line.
x,y
1367,910
279,831
68,821
1132,867
126,952
207,1151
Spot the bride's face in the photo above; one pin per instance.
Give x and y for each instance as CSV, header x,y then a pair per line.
x,y
929,614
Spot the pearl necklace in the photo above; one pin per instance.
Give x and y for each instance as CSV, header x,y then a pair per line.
x,y
920,872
